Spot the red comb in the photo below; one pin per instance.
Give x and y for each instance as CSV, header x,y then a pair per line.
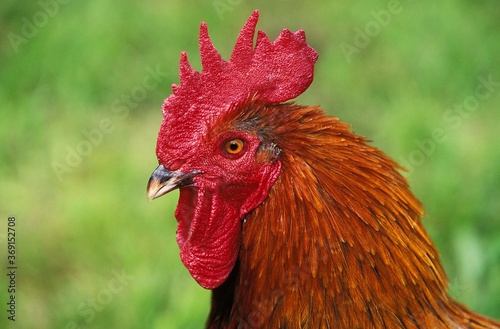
x,y
275,72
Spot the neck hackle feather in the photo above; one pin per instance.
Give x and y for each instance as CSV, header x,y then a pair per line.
x,y
338,243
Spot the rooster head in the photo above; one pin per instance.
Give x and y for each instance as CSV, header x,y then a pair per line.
x,y
224,166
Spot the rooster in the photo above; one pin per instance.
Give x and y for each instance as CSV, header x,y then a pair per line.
x,y
291,219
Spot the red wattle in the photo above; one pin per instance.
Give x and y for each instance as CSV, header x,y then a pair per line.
x,y
208,234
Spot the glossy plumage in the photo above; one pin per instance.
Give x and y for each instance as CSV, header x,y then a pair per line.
x,y
338,243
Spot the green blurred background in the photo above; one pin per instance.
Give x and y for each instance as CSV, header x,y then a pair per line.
x,y
81,85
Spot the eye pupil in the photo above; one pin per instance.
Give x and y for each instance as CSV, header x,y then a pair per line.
x,y
234,146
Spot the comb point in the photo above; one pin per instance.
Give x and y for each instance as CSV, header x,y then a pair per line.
x,y
210,57
186,72
274,72
244,43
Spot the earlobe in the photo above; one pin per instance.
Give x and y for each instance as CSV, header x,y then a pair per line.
x,y
268,152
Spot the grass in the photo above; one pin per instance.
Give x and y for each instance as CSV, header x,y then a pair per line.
x,y
93,253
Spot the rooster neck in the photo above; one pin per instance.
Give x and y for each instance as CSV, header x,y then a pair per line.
x,y
338,243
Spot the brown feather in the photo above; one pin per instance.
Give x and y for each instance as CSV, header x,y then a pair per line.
x,y
338,243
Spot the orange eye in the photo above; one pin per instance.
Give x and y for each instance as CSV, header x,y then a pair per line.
x,y
234,146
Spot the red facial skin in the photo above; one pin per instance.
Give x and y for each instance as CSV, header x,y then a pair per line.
x,y
210,212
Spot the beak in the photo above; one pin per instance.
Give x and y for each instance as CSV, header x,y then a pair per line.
x,y
163,181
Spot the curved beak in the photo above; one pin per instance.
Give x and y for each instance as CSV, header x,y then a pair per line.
x,y
163,181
